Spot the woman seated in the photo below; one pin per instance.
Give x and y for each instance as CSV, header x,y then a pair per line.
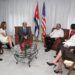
x,y
4,38
60,56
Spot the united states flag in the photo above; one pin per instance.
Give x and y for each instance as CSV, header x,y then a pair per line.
x,y
43,20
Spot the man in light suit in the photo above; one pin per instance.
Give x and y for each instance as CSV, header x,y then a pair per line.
x,y
50,39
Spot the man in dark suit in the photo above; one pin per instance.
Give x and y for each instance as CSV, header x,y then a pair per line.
x,y
24,32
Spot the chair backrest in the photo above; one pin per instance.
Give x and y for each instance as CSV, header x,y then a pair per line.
x,y
17,29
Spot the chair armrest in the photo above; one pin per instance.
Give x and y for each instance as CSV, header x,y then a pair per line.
x,y
17,39
60,38
56,43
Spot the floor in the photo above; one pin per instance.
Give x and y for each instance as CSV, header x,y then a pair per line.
x,y
38,66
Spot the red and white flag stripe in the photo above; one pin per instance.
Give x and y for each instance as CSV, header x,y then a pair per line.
x,y
44,25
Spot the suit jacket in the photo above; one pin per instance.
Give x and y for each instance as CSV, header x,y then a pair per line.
x,y
23,33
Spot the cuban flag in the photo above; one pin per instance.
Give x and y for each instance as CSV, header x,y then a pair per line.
x,y
36,21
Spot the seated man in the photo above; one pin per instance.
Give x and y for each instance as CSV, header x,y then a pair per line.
x,y
4,38
24,34
49,39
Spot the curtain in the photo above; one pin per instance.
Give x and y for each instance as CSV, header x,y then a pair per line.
x,y
14,12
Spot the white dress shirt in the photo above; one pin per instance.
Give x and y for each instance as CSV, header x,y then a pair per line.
x,y
71,41
57,33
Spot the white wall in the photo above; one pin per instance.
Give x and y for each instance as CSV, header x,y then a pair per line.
x,y
57,11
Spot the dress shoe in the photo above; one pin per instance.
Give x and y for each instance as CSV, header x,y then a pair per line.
x,y
1,59
50,64
54,56
46,50
58,71
12,44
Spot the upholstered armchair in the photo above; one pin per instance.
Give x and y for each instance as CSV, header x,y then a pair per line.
x,y
26,41
59,40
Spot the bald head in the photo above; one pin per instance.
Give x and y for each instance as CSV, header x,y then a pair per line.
x,y
58,26
24,24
